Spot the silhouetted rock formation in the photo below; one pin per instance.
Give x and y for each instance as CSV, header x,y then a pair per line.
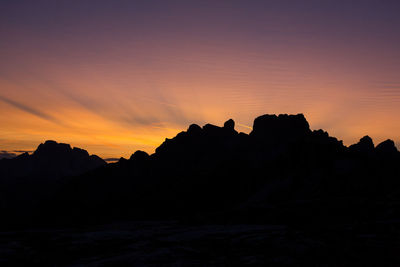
x,y
28,180
365,145
139,156
387,148
284,127
51,160
280,172
229,125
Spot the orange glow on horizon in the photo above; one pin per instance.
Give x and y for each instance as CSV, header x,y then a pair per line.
x,y
115,78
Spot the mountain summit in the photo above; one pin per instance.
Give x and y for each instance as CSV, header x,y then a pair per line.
x,y
51,160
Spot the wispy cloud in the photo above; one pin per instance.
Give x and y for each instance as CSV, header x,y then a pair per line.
x,y
111,159
22,151
7,155
135,112
245,126
4,154
30,110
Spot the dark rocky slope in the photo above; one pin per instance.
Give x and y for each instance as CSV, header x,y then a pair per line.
x,y
281,172
27,181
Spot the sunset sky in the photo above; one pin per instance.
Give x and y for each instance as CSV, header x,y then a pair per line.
x,y
115,76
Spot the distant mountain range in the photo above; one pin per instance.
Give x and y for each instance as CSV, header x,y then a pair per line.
x,y
281,172
50,160
28,180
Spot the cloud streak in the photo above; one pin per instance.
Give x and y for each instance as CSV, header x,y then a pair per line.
x,y
23,151
7,155
140,111
111,159
30,110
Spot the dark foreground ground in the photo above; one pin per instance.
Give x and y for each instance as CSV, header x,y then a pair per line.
x,y
175,244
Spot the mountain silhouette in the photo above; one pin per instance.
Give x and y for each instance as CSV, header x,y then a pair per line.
x,y
50,160
282,171
27,180
281,192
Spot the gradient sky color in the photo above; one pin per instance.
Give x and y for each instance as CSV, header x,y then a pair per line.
x,y
116,76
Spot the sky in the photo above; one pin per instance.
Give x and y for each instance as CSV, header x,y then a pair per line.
x,y
116,76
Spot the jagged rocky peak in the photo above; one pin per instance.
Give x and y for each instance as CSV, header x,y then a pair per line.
x,y
52,148
365,145
367,141
211,127
197,138
215,131
54,160
194,129
320,133
282,126
229,124
81,152
387,147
